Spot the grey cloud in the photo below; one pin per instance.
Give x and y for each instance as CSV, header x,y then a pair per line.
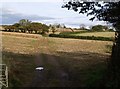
x,y
10,17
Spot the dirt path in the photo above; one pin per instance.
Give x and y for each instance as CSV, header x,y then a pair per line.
x,y
59,73
52,74
38,75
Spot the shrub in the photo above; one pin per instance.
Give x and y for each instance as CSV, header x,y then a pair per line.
x,y
82,37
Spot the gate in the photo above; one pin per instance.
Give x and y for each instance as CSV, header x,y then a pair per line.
x,y
3,75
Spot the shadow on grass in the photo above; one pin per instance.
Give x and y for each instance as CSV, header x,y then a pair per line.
x,y
81,69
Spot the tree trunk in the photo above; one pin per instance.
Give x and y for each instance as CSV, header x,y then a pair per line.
x,y
115,59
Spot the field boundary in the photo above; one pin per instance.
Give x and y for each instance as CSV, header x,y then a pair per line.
x,y
82,37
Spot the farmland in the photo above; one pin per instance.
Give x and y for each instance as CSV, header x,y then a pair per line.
x,y
66,62
86,35
98,34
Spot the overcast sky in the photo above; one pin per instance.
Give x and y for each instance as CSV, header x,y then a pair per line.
x,y
45,11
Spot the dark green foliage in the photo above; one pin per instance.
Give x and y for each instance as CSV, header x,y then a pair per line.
x,y
44,29
58,25
24,22
27,26
78,32
111,30
9,28
108,11
16,25
99,28
82,37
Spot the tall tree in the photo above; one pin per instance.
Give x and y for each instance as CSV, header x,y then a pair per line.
x,y
24,22
103,11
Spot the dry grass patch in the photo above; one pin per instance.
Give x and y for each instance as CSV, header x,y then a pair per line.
x,y
83,60
98,34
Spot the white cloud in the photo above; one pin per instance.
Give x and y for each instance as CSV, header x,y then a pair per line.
x,y
73,22
31,0
7,11
51,13
8,16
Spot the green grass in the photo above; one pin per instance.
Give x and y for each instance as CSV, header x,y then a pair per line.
x,y
84,74
20,67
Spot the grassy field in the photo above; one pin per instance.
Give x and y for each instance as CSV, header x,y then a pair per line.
x,y
98,34
66,62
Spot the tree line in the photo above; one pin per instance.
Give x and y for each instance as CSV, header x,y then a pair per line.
x,y
26,26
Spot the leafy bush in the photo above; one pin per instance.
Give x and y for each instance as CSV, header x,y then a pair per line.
x,y
99,28
70,33
82,37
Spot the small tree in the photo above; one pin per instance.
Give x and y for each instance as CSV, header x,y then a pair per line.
x,y
16,25
99,28
45,29
53,29
24,22
9,28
